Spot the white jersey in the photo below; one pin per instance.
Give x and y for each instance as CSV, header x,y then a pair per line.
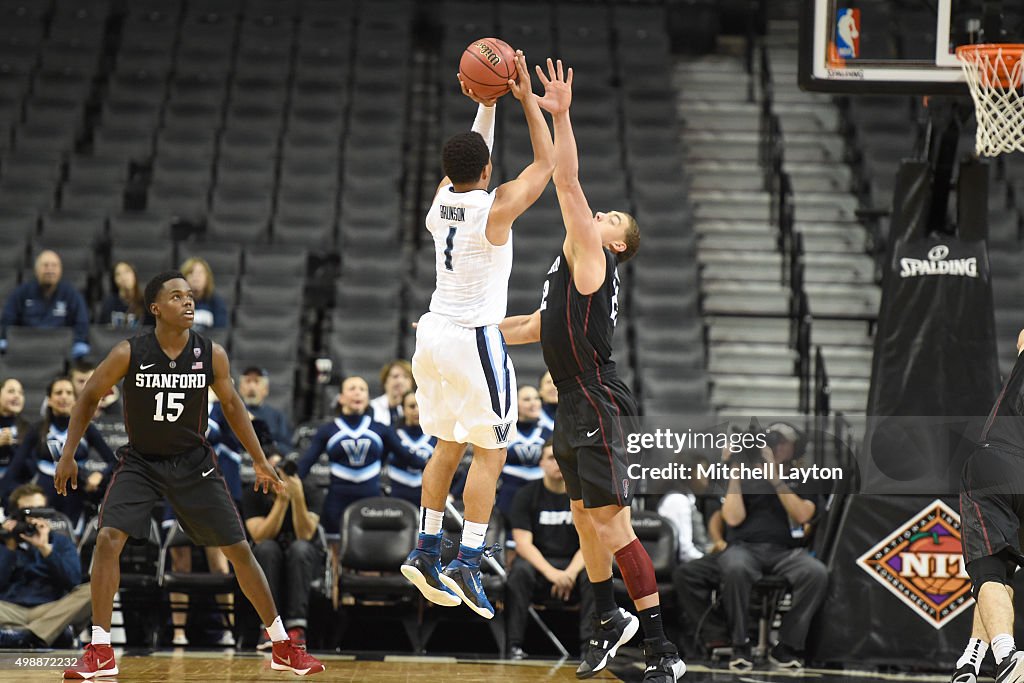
x,y
472,274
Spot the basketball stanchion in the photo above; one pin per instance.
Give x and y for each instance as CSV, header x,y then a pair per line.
x,y
500,571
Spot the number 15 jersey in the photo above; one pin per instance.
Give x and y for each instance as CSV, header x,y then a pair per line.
x,y
472,273
165,399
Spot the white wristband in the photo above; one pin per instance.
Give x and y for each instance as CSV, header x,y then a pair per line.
x,y
484,124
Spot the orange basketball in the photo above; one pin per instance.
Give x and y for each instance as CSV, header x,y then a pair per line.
x,y
486,66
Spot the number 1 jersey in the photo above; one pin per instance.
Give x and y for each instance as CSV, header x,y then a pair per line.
x,y
165,400
472,273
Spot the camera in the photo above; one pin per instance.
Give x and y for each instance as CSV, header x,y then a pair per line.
x,y
289,468
23,527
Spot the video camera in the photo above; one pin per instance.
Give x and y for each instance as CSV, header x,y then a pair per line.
x,y
25,528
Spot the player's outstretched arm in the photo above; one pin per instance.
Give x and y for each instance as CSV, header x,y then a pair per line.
x,y
514,197
582,246
111,371
238,417
483,123
521,329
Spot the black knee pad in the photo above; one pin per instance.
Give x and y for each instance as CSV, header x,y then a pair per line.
x,y
993,568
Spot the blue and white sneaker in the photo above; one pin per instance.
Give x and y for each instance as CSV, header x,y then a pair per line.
x,y
462,576
423,569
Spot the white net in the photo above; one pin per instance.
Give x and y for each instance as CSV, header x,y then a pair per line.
x,y
995,75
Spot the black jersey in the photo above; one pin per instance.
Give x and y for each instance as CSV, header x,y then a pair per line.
x,y
576,330
165,405
1005,424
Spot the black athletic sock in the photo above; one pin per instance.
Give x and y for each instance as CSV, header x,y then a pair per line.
x,y
604,598
650,620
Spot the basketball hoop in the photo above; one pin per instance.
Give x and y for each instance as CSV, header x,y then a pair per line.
x,y
995,75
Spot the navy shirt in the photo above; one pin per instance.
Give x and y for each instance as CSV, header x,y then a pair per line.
x,y
356,445
410,455
28,307
210,312
29,579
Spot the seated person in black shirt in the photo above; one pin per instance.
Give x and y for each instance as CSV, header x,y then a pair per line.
x,y
548,561
283,527
766,522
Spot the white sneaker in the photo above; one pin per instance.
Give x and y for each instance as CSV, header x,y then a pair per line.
x,y
179,641
227,639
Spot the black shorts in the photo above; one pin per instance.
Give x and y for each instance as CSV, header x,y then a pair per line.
x,y
992,504
594,415
193,484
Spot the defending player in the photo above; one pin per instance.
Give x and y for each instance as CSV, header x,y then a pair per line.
x,y
574,325
466,385
991,510
166,375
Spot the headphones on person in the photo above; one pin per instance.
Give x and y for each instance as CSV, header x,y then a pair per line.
x,y
777,432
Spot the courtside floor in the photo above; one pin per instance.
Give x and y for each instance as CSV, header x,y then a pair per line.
x,y
199,665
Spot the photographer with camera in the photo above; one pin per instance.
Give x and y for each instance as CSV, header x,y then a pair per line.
x,y
765,530
283,526
40,575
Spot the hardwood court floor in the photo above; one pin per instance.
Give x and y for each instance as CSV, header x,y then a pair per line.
x,y
192,665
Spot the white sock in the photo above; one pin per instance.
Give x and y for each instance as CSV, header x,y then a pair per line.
x,y
276,630
430,521
973,655
1002,646
99,636
473,534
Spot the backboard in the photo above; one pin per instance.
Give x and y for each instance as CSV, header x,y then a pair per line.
x,y
898,46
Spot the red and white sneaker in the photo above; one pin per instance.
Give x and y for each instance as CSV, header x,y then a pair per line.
x,y
297,635
97,660
289,657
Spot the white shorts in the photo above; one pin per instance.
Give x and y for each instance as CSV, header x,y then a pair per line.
x,y
465,383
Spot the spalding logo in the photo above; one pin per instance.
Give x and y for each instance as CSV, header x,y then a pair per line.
x,y
489,54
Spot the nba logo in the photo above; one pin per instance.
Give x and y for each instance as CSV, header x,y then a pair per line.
x,y
848,33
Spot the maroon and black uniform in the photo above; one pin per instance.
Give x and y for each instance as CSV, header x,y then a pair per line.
x,y
992,486
595,409
167,455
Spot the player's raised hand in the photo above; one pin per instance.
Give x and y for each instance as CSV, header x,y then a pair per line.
x,y
468,92
67,469
557,88
266,479
522,87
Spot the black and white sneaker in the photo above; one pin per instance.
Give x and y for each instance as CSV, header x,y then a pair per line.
x,y
663,663
1011,670
608,638
785,657
965,674
741,659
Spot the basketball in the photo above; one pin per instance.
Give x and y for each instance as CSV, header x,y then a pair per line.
x,y
486,66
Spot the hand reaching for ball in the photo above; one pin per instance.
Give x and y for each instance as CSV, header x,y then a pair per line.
x,y
557,88
522,87
468,92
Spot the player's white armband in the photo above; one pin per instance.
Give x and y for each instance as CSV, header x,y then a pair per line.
x,y
484,124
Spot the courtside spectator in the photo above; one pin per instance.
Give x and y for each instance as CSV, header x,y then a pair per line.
x,y
13,426
522,462
211,311
123,307
413,451
48,301
396,380
35,460
548,561
254,387
680,506
283,526
357,447
549,400
41,589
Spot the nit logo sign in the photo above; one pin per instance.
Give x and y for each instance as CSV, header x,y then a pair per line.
x,y
921,564
848,33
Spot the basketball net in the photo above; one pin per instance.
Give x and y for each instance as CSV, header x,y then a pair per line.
x,y
995,75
